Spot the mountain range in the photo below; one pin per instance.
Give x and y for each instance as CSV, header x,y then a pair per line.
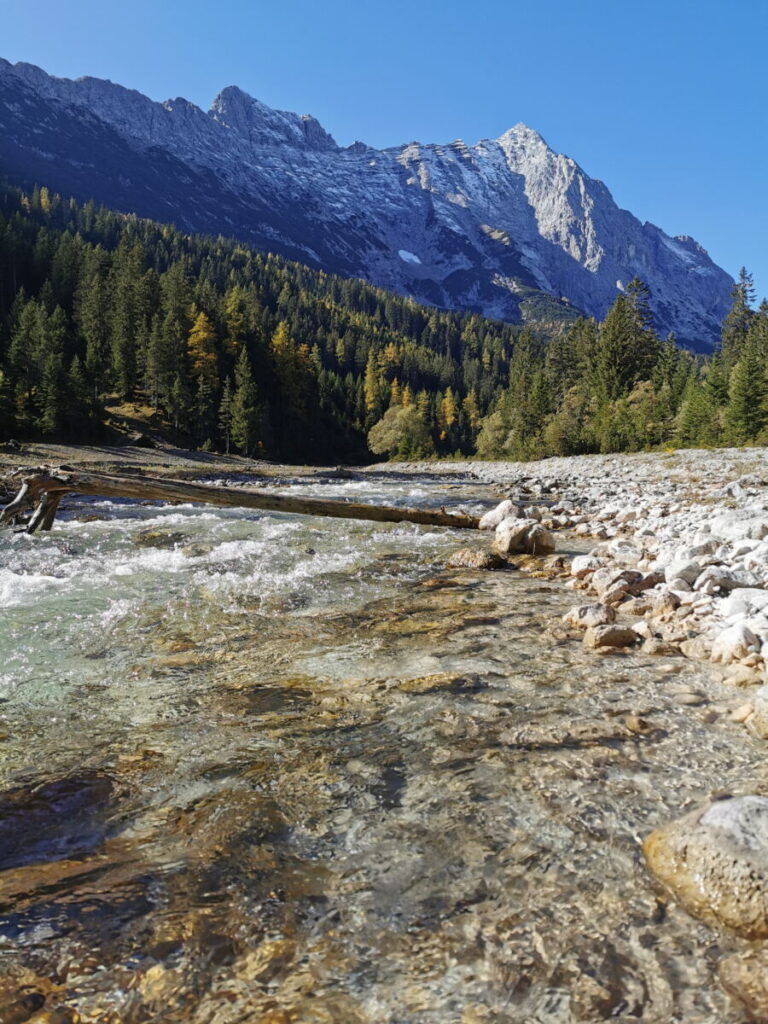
x,y
505,227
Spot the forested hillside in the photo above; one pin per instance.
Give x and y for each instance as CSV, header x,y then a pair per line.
x,y
231,346
240,350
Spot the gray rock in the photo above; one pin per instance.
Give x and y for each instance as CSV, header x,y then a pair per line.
x,y
587,616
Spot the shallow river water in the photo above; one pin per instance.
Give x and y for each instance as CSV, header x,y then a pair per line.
x,y
276,769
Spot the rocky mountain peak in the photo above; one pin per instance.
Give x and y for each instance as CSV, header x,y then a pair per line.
x,y
507,227
260,125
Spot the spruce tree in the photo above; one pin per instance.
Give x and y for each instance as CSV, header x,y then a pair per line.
x,y
244,409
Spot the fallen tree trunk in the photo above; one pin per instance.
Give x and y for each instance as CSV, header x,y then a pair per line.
x,y
46,488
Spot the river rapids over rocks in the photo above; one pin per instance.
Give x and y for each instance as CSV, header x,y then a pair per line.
x,y
280,769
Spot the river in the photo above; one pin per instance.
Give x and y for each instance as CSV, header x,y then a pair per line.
x,y
280,769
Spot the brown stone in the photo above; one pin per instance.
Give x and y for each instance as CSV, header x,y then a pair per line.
x,y
476,558
610,636
715,862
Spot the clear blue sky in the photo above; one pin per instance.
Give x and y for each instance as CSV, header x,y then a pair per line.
x,y
664,101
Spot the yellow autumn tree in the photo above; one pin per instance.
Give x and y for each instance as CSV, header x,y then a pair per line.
x,y
472,410
446,416
201,347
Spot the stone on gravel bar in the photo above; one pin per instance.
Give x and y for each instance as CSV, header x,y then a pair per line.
x,y
733,643
583,565
610,636
587,616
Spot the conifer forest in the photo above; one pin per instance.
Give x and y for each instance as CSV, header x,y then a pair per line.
x,y
234,350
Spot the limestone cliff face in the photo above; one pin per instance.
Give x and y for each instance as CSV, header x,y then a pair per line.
x,y
483,227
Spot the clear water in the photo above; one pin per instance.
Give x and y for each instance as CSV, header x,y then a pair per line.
x,y
280,769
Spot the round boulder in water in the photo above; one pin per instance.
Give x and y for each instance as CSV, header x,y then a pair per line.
x,y
715,862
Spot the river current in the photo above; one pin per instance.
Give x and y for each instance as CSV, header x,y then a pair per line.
x,y
282,770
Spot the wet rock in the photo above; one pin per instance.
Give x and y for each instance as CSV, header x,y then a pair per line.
x,y
734,643
196,550
744,675
741,713
158,539
62,818
587,616
475,558
610,636
715,862
696,648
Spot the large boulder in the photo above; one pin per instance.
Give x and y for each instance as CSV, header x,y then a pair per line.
x,y
523,536
715,862
505,510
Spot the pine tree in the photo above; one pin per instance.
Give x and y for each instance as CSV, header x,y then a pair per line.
x,y
745,413
737,323
244,411
225,414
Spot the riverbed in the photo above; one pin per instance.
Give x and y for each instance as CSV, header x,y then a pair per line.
x,y
280,769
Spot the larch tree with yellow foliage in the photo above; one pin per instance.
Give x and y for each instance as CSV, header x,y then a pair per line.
x,y
201,348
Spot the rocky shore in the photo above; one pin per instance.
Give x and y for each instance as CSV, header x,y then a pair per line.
x,y
678,568
680,549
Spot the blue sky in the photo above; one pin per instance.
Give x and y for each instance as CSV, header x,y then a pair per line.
x,y
664,101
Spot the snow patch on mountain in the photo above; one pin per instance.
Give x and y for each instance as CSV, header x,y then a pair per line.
x,y
409,257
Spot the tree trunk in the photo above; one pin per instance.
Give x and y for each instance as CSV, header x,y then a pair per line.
x,y
156,489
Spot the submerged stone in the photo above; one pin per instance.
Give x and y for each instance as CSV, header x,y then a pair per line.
x,y
474,558
158,539
715,862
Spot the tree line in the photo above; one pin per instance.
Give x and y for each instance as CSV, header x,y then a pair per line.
x,y
233,349
236,350
616,386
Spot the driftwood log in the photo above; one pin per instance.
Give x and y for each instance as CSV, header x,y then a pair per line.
x,y
44,489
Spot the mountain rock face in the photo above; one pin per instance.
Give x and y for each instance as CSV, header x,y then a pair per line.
x,y
506,227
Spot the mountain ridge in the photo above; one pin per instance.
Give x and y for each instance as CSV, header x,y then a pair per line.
x,y
480,225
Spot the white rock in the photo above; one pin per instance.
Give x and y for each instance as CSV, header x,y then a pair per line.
x,y
586,616
734,643
502,511
720,577
744,601
583,565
